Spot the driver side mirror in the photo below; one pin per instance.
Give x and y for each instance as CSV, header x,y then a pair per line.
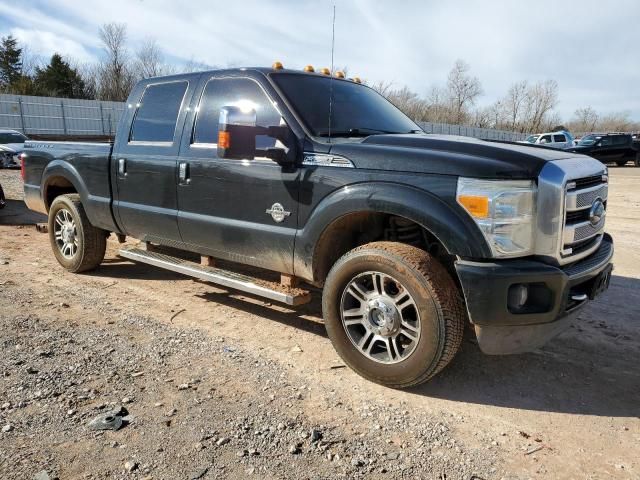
x,y
237,132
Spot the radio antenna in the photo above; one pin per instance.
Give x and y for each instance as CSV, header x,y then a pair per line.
x,y
333,42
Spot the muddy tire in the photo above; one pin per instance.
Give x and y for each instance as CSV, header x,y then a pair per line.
x,y
77,245
637,160
393,313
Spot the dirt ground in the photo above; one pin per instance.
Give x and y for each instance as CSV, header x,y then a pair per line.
x,y
220,385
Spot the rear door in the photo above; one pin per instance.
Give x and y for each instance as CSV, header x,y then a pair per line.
x,y
560,140
145,160
224,205
604,149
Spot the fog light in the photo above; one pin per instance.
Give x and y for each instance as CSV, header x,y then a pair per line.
x,y
518,296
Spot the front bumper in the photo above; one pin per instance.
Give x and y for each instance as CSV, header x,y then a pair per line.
x,y
557,295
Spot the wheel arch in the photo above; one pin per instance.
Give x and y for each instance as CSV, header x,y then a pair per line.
x,y
60,178
332,227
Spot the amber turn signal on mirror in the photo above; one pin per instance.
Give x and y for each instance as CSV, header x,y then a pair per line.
x,y
224,139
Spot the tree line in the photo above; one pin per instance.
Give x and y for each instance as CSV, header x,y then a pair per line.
x,y
526,106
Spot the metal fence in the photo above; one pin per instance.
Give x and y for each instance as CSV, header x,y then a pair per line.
x,y
476,132
64,116
59,116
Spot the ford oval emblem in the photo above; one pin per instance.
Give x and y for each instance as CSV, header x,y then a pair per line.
x,y
597,211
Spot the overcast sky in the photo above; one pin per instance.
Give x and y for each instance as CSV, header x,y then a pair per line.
x,y
592,48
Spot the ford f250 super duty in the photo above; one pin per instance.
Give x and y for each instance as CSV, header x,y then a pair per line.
x,y
319,179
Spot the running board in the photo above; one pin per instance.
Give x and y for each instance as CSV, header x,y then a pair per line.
x,y
271,290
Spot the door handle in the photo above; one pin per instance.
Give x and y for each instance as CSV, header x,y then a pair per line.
x,y
122,167
183,173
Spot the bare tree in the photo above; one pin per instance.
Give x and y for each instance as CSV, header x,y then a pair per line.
x,y
383,87
149,61
464,90
116,76
514,104
542,97
617,122
584,120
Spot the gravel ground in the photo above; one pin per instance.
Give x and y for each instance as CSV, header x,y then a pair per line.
x,y
212,384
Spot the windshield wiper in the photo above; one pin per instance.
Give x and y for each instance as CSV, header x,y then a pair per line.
x,y
355,132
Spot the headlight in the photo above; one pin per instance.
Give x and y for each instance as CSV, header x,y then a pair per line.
x,y
504,210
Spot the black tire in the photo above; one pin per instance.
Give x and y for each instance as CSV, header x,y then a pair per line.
x,y
91,241
621,163
441,311
637,160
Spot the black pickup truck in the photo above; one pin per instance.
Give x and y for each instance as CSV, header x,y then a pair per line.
x,y
618,148
322,181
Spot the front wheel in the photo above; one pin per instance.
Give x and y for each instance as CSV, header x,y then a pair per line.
x,y
637,160
621,163
77,245
393,313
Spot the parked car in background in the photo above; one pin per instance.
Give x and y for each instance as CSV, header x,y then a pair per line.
x,y
561,139
618,148
11,144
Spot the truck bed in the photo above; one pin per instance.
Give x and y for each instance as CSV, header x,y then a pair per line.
x,y
83,167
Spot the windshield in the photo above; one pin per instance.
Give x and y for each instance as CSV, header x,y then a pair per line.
x,y
532,138
356,110
12,137
589,140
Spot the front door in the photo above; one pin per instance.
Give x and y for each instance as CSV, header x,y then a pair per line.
x,y
238,210
145,162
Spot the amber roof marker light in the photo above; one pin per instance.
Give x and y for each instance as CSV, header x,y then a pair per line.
x,y
325,71
277,66
309,68
357,79
339,74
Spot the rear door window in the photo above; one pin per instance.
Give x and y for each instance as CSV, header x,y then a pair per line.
x,y
559,138
157,113
240,92
606,142
545,139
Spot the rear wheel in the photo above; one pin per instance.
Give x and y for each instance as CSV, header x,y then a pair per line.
x,y
77,245
621,163
393,313
637,160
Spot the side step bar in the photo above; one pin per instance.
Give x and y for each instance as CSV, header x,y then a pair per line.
x,y
271,290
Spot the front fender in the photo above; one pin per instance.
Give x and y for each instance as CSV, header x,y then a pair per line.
x,y
458,234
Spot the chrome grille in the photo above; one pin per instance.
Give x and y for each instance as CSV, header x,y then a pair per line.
x,y
566,191
578,228
584,199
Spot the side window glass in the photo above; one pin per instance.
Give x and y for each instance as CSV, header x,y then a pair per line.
x,y
559,138
605,142
545,139
242,92
157,113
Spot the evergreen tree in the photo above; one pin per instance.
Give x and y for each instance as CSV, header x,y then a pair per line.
x,y
59,79
10,62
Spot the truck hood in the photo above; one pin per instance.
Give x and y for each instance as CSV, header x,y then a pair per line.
x,y
580,149
448,155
